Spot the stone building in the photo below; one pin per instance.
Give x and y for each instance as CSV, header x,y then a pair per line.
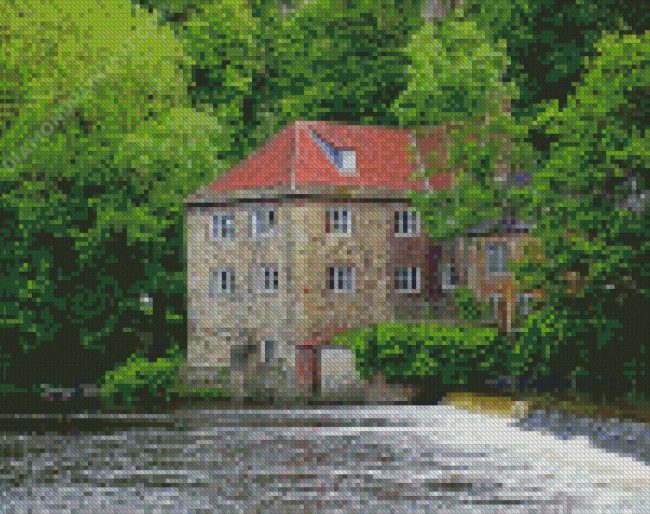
x,y
311,235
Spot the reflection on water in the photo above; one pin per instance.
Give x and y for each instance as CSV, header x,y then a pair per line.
x,y
367,459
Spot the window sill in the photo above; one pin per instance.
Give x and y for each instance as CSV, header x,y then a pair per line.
x,y
400,235
504,274
267,235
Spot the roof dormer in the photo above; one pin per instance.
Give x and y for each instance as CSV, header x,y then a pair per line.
x,y
345,159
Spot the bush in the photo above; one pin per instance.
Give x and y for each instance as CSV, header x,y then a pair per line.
x,y
468,307
446,354
140,379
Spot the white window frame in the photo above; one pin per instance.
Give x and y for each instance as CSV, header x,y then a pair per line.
x,y
493,305
339,220
341,279
407,279
447,274
528,298
266,224
269,279
226,222
264,353
219,277
496,261
348,161
406,222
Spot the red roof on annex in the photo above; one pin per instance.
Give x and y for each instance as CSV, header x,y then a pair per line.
x,y
386,158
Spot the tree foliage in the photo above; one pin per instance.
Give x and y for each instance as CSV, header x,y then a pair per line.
x,y
459,81
548,40
592,224
98,150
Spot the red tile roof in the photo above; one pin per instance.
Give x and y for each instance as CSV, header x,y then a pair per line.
x,y
386,158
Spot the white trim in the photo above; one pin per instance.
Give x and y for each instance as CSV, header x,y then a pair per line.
x,y
271,226
344,276
274,273
216,282
230,227
407,278
416,222
501,258
528,297
494,297
330,212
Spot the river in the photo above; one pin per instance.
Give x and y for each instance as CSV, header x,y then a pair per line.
x,y
350,459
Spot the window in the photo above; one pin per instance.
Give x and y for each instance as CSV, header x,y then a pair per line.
x,y
269,278
450,277
496,255
341,279
264,221
407,280
347,161
493,305
338,221
522,304
268,351
222,281
223,226
407,222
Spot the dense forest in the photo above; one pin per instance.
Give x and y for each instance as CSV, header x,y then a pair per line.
x,y
111,112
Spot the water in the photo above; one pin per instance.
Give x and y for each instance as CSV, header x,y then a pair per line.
x,y
353,459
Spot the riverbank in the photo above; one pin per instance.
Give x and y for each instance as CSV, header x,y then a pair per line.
x,y
520,404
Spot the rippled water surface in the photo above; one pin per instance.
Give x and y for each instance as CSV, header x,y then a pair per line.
x,y
365,459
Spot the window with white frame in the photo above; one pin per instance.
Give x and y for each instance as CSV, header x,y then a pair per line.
x,y
223,226
269,279
338,221
264,221
496,255
347,161
450,276
493,305
523,302
268,348
407,222
407,280
222,282
341,278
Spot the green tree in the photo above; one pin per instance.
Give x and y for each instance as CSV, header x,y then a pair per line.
x,y
224,41
264,63
592,225
548,40
333,60
457,79
97,152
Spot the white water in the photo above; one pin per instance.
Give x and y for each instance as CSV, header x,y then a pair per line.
x,y
366,459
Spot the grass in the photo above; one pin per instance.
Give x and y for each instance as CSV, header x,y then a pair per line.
x,y
191,392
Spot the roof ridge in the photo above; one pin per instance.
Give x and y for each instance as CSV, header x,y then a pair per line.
x,y
294,157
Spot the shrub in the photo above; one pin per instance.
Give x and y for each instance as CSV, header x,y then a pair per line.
x,y
447,354
468,307
140,379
